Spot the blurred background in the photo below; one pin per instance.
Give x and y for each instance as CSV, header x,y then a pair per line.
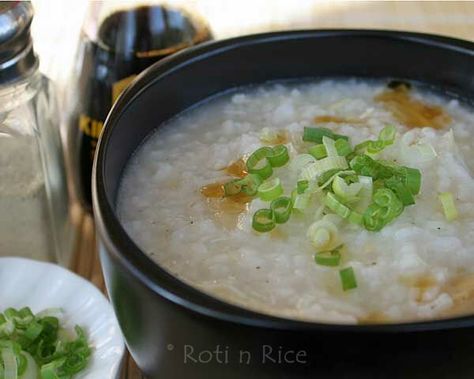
x,y
57,23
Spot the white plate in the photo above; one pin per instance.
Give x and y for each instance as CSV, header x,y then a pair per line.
x,y
38,285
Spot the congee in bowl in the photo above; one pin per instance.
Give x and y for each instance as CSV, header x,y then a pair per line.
x,y
336,201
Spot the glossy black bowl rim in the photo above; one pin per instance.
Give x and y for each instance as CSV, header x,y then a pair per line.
x,y
117,242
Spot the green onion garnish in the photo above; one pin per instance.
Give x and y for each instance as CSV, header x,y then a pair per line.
x,y
366,166
384,209
281,208
279,156
330,146
300,201
356,218
343,147
318,151
336,206
35,346
263,220
348,181
302,186
401,190
386,138
314,170
270,189
258,163
328,258
346,192
388,134
316,135
348,278
322,234
328,176
449,207
411,178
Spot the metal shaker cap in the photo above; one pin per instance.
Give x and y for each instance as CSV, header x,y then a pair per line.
x,y
17,57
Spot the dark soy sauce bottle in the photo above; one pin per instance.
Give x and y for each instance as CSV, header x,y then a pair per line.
x,y
111,53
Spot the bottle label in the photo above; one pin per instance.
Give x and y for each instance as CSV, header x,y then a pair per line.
x,y
119,86
91,128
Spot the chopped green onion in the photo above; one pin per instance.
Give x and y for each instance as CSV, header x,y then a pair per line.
x,y
270,189
336,206
314,170
384,209
318,151
401,190
328,176
356,218
322,234
316,134
366,166
328,258
411,178
279,156
346,192
384,197
301,201
343,147
247,185
281,208
365,193
302,186
386,138
10,368
330,146
449,207
348,278
375,147
388,134
299,162
258,162
38,347
263,220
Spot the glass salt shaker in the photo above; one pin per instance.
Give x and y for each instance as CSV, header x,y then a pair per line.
x,y
34,213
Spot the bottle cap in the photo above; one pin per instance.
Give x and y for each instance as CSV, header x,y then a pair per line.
x,y
17,57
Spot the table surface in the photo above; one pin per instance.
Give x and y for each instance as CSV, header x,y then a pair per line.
x,y
448,18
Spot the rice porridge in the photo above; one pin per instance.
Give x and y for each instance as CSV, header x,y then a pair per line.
x,y
336,254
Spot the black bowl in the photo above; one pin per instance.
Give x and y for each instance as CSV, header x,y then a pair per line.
x,y
175,331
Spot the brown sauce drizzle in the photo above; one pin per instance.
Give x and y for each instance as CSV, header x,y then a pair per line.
x,y
237,169
336,119
411,112
213,190
282,137
225,210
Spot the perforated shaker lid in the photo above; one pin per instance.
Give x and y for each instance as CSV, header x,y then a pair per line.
x,y
17,57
